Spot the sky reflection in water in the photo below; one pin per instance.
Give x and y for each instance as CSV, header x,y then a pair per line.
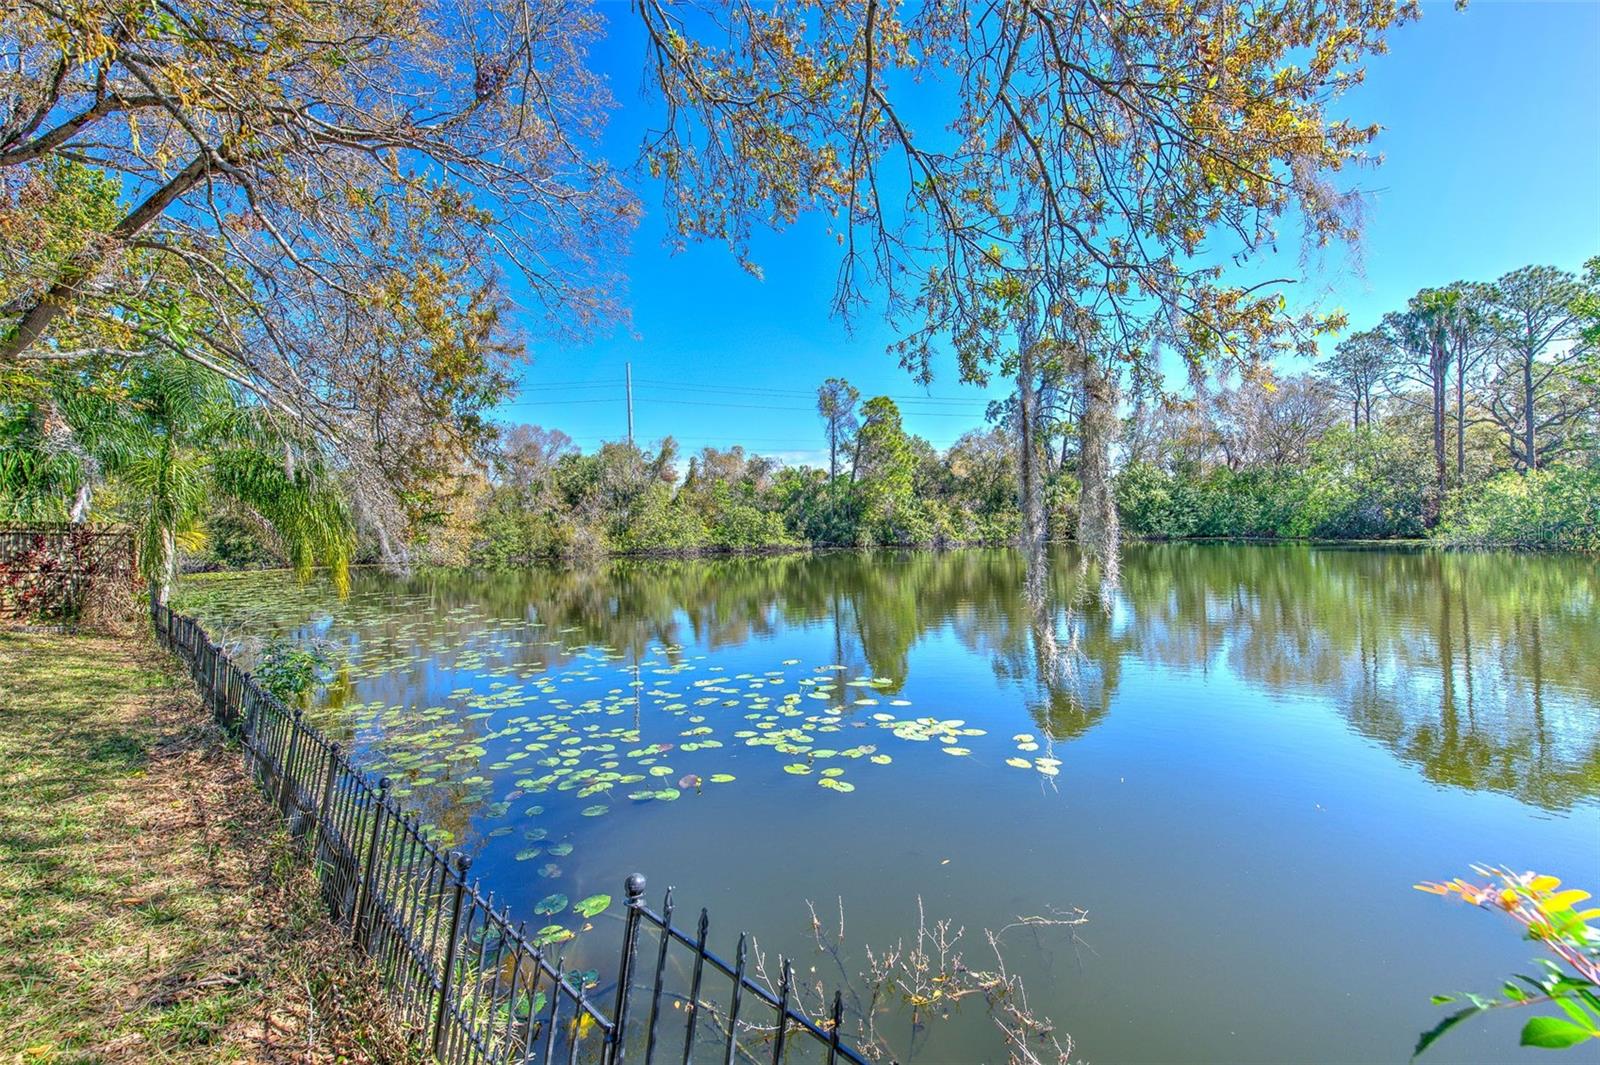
x,y
1238,762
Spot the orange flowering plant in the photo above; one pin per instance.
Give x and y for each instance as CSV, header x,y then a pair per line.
x,y
1570,981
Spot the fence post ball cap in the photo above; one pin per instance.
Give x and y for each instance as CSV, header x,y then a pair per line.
x,y
463,862
635,885
383,783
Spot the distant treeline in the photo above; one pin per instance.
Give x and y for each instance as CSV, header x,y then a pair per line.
x,y
1471,416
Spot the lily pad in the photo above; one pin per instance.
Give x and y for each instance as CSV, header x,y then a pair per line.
x,y
551,904
551,934
592,905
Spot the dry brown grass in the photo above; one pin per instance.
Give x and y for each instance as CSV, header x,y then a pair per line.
x,y
151,909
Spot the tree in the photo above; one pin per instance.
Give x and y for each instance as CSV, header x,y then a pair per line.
x,y
1466,329
331,174
175,444
1420,335
527,456
1536,317
836,405
982,468
1149,142
883,465
1271,424
1357,369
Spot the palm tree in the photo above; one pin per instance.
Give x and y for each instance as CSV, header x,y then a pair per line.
x,y
175,444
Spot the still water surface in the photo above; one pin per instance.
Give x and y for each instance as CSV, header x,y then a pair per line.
x,y
1237,762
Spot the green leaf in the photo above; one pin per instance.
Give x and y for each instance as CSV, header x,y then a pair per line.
x,y
592,905
551,904
1553,1033
1572,1007
550,934
1427,1039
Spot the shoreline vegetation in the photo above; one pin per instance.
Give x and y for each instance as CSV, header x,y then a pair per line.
x,y
1354,450
211,568
151,906
729,554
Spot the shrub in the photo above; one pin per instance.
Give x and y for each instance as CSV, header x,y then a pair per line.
x,y
289,670
742,526
663,523
1554,507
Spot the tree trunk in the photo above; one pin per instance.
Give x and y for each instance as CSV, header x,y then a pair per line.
x,y
1461,417
82,499
1527,412
60,437
1439,370
165,568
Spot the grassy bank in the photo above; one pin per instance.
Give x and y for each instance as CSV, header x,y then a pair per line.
x,y
150,908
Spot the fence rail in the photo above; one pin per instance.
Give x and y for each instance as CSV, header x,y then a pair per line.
x,y
466,976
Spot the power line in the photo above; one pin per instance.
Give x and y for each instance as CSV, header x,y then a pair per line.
x,y
555,402
737,406
970,414
788,392
569,384
734,390
708,441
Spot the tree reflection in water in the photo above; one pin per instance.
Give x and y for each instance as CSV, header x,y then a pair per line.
x,y
1481,670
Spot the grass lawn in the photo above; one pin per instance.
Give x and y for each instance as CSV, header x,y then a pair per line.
x,y
150,908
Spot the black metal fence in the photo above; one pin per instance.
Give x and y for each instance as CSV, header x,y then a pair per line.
x,y
468,977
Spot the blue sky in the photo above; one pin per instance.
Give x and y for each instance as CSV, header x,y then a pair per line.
x,y
1491,148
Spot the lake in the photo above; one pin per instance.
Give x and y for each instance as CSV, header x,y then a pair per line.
x,y
1236,762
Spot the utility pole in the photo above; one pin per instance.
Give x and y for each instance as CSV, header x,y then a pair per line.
x,y
627,369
